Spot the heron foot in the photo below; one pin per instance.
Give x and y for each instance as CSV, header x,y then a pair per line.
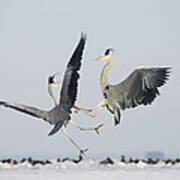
x,y
82,151
92,115
76,111
98,127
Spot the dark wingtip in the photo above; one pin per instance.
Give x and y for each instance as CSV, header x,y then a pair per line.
x,y
168,70
166,74
83,36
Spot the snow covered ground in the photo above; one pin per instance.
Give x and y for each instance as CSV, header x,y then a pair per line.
x,y
89,169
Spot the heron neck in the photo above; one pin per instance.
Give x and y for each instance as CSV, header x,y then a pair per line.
x,y
105,70
52,95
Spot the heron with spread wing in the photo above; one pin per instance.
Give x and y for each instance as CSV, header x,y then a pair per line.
x,y
139,88
59,116
52,83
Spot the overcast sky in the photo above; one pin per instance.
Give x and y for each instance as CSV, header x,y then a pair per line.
x,y
37,38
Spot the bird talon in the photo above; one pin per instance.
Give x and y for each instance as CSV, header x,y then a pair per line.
x,y
98,127
76,111
92,115
89,110
82,151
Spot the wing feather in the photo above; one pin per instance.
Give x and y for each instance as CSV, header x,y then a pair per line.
x,y
26,109
70,82
141,86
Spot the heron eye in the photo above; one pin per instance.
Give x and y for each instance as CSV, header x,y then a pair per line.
x,y
107,87
51,80
107,52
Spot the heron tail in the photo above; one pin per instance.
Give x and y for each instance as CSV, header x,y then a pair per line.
x,y
56,128
117,116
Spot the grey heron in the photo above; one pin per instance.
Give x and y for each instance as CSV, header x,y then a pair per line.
x,y
52,83
139,88
59,116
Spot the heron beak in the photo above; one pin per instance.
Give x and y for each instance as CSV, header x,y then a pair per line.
x,y
57,83
101,58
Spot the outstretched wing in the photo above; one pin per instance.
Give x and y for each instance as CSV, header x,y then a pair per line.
x,y
26,109
51,116
141,87
69,88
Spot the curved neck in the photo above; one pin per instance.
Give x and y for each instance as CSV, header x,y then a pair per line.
x,y
52,95
105,70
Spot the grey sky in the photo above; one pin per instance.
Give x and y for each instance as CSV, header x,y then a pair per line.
x,y
36,39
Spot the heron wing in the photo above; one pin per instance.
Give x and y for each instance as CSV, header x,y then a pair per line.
x,y
69,88
141,86
26,109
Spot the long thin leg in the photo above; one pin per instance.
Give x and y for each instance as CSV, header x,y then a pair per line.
x,y
87,129
84,110
101,104
82,151
98,108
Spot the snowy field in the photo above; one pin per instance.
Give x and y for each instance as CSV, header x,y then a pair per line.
x,y
90,169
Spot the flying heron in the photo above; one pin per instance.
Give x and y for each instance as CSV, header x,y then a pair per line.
x,y
59,116
52,83
139,88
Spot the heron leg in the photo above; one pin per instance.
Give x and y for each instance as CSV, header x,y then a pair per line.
x,y
96,129
82,151
98,108
84,110
77,109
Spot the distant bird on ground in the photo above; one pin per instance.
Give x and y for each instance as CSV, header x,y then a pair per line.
x,y
140,87
59,116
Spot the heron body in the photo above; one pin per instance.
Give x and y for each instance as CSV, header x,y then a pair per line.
x,y
139,88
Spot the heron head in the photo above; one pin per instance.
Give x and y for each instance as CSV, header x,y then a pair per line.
x,y
52,80
106,55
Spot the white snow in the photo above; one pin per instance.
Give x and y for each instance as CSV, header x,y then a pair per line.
x,y
90,169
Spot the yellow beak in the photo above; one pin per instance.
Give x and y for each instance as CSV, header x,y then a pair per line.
x,y
101,58
56,84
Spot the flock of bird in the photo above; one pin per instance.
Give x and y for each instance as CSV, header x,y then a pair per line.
x,y
140,87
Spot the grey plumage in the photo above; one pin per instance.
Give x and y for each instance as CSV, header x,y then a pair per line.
x,y
139,88
60,114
